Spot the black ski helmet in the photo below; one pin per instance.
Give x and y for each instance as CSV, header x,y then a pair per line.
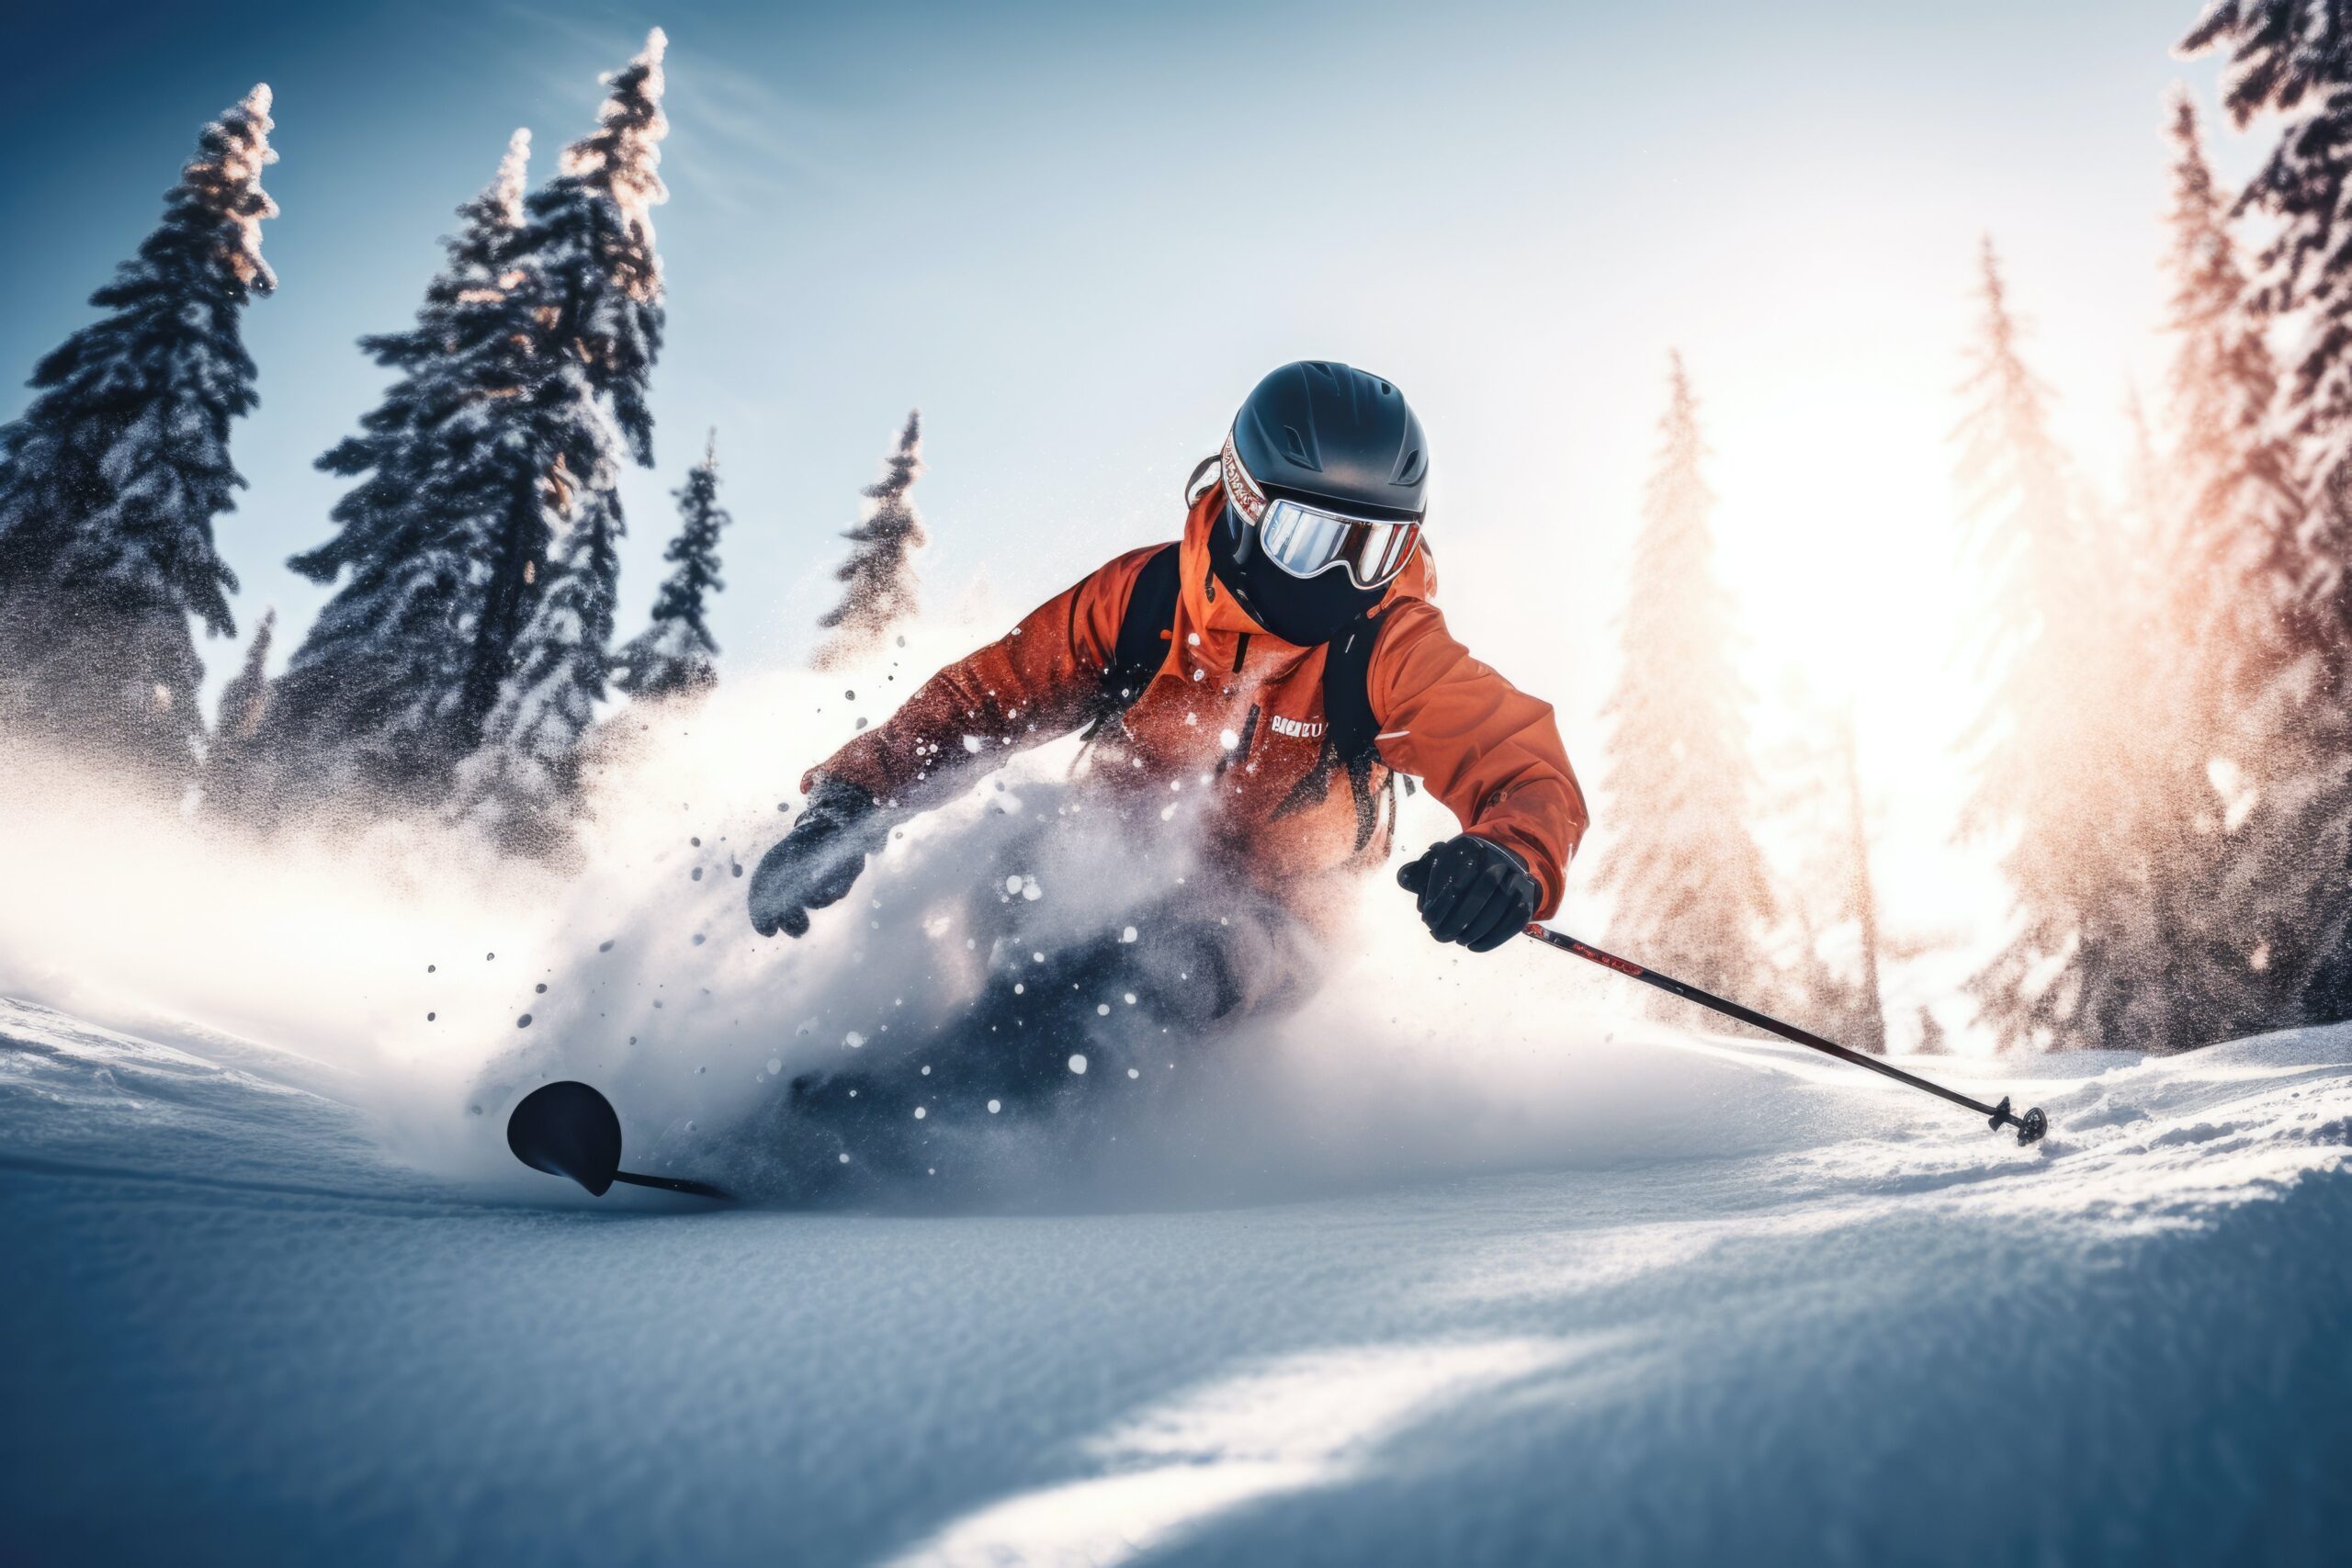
x,y
1319,433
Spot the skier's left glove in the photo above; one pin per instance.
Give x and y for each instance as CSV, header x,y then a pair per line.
x,y
817,863
1472,891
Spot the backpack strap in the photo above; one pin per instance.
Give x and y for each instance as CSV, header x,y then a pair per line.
x,y
1347,695
1145,628
1350,732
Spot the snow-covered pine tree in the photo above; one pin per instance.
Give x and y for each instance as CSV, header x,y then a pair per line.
x,y
2058,776
2214,647
111,480
880,570
519,786
231,756
1822,942
371,708
1692,895
246,697
2293,59
543,649
2148,490
672,656
1869,1009
1932,1038
2239,496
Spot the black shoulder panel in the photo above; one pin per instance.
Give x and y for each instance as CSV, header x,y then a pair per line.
x,y
1144,631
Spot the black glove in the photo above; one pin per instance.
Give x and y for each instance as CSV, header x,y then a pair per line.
x,y
1472,891
817,863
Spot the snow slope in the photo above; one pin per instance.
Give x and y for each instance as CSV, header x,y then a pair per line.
x,y
1656,1300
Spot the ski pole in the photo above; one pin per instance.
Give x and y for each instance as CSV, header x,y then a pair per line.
x,y
2030,1127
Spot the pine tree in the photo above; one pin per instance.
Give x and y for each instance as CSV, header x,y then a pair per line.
x,y
518,787
1868,1013
2212,639
1691,891
1824,941
246,695
230,758
2058,777
371,704
1932,1039
543,647
2240,499
111,480
2148,487
880,570
672,656
2293,59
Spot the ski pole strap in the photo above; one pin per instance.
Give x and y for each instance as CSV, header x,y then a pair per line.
x,y
2029,1126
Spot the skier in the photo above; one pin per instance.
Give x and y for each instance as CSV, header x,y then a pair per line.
x,y
1286,659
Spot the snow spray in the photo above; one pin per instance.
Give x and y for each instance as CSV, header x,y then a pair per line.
x,y
436,983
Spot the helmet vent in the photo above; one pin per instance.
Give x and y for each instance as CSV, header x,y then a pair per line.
x,y
1295,445
1410,468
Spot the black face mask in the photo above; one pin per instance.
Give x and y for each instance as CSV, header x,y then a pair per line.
x,y
1299,610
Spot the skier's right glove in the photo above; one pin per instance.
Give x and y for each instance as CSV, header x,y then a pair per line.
x,y
1471,890
817,863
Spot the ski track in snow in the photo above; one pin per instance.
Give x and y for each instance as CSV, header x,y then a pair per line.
x,y
1806,1317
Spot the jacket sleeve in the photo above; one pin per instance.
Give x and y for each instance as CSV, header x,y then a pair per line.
x,y
1488,750
1037,682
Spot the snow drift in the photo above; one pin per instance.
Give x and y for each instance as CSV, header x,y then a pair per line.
x,y
1799,1320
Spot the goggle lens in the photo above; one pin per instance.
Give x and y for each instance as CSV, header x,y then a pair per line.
x,y
1306,541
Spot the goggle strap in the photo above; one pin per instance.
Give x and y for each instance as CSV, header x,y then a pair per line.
x,y
1239,488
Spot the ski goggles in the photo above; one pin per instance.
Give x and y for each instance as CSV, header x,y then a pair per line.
x,y
1308,541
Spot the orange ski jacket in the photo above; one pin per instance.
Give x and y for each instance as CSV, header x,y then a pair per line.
x,y
1232,728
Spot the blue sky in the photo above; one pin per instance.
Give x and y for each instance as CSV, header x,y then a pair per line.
x,y
1075,234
